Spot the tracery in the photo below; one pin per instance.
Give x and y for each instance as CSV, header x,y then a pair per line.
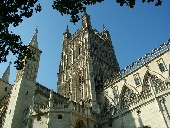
x,y
80,124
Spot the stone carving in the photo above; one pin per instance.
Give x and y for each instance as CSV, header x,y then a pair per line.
x,y
153,83
125,97
141,61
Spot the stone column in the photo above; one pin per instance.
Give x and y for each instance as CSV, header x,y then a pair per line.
x,y
50,106
164,111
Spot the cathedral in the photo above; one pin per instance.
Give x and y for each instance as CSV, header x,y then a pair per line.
x,y
92,90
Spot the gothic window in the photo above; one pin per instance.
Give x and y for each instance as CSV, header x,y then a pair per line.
x,y
153,83
65,90
137,79
69,85
70,58
126,97
161,65
116,95
65,58
82,92
81,80
137,82
79,50
80,124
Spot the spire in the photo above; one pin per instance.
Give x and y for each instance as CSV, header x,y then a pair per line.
x,y
67,34
86,20
85,13
34,41
5,76
104,29
105,33
67,30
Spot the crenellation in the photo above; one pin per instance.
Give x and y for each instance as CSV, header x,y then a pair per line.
x,y
143,60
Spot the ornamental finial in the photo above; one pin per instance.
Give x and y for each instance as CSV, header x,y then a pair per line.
x,y
36,30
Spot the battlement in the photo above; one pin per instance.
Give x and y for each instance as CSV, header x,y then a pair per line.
x,y
73,36
137,64
46,92
76,108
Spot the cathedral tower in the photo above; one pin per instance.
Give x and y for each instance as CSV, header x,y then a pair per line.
x,y
87,60
23,89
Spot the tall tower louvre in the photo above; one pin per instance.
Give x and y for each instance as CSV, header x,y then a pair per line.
x,y
87,60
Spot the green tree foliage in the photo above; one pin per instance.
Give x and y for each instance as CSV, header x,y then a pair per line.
x,y
13,11
74,7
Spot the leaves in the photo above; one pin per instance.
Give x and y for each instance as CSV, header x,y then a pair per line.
x,y
74,7
12,13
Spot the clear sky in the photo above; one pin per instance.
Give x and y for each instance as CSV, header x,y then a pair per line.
x,y
134,33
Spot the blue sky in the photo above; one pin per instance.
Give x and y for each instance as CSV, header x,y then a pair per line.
x,y
134,33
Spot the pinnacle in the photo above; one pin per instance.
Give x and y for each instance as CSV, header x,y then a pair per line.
x,y
34,41
5,76
67,30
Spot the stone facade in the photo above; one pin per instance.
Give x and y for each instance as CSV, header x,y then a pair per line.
x,y
87,60
92,90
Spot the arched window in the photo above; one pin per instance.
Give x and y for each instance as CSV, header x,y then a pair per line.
x,y
153,83
137,79
81,80
79,50
80,124
70,58
125,97
161,67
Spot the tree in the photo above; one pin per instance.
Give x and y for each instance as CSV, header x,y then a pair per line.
x,y
74,7
13,11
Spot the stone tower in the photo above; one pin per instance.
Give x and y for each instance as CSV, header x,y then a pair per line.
x,y
23,88
4,82
87,60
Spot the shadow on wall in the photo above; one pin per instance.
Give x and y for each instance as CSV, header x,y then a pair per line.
x,y
137,110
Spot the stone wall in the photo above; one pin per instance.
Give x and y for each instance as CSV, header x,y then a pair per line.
x,y
4,88
141,96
